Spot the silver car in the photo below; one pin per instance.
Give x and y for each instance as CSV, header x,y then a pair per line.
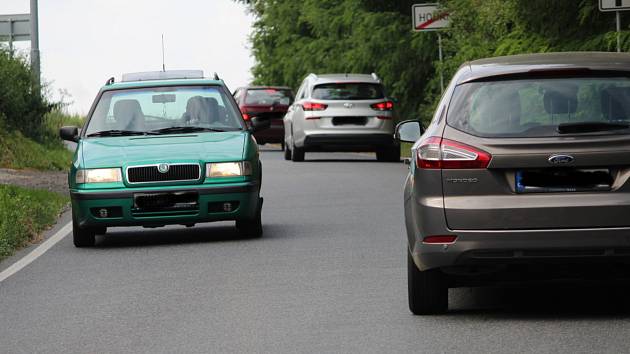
x,y
524,173
341,112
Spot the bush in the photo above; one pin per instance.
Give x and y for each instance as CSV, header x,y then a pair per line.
x,y
22,107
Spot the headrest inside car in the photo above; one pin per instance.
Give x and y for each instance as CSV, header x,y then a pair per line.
x,y
560,99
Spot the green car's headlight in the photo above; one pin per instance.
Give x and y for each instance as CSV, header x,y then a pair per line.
x,y
228,169
99,175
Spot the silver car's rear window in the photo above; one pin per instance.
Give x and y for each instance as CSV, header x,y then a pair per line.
x,y
541,107
348,91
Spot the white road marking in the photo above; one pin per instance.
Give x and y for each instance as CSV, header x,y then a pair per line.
x,y
40,250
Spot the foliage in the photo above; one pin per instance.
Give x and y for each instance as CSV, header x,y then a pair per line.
x,y
22,107
293,38
24,214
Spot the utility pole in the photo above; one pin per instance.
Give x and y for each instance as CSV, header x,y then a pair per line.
x,y
35,44
618,32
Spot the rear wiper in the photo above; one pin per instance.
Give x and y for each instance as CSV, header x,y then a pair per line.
x,y
185,130
116,132
587,127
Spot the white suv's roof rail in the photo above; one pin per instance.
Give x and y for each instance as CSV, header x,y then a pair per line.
x,y
372,76
163,75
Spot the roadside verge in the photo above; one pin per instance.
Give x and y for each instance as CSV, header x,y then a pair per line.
x,y
24,214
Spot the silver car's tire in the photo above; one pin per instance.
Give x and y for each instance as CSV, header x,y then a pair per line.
x,y
287,153
297,154
427,290
389,154
82,237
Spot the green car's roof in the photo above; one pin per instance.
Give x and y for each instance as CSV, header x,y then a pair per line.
x,y
153,83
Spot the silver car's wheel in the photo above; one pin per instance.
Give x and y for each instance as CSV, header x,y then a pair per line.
x,y
389,154
297,154
287,153
427,290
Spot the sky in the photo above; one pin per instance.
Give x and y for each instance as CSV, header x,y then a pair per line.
x,y
85,42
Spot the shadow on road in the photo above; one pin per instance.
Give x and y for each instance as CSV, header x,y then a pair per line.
x,y
139,237
549,301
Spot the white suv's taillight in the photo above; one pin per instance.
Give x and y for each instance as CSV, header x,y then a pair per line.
x,y
436,153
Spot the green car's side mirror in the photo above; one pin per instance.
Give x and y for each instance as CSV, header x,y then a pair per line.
x,y
69,133
408,131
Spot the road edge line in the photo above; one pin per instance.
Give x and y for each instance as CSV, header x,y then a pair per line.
x,y
36,253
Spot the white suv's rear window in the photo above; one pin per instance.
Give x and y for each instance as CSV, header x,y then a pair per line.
x,y
348,91
541,107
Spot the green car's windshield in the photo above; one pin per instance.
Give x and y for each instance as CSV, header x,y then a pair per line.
x,y
163,110
542,107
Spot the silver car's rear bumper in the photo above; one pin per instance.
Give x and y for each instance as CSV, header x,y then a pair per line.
x,y
524,246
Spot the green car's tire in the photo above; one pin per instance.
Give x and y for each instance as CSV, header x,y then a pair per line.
x,y
297,154
427,290
82,237
252,228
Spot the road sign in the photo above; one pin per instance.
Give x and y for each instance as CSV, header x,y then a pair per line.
x,y
614,5
15,28
427,17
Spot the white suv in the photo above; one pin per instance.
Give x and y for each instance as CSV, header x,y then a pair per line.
x,y
341,112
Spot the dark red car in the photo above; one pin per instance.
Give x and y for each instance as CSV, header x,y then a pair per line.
x,y
266,102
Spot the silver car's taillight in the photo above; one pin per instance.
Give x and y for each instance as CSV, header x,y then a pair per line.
x,y
436,153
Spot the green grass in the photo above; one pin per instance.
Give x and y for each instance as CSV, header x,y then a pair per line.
x,y
405,149
19,152
24,214
57,119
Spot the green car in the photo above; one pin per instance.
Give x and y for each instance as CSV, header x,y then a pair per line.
x,y
163,148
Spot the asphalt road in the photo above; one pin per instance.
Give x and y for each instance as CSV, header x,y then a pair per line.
x,y
328,276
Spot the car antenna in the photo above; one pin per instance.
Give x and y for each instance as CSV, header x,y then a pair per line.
x,y
163,65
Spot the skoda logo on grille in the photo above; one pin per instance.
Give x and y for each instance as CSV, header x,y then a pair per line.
x,y
163,167
560,159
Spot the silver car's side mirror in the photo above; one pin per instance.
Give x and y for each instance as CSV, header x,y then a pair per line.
x,y
408,131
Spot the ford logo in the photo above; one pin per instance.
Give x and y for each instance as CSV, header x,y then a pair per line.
x,y
560,159
163,168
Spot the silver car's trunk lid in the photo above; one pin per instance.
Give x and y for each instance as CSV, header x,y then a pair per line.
x,y
541,183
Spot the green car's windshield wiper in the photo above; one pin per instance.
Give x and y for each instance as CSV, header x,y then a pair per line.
x,y
589,127
174,130
116,132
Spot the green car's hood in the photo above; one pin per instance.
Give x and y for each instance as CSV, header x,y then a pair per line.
x,y
134,150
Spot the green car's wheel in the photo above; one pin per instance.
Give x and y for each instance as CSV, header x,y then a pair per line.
x,y
252,228
427,290
81,236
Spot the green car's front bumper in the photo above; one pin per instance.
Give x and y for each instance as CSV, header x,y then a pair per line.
x,y
118,207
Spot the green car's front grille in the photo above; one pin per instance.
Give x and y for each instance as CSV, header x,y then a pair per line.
x,y
163,173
